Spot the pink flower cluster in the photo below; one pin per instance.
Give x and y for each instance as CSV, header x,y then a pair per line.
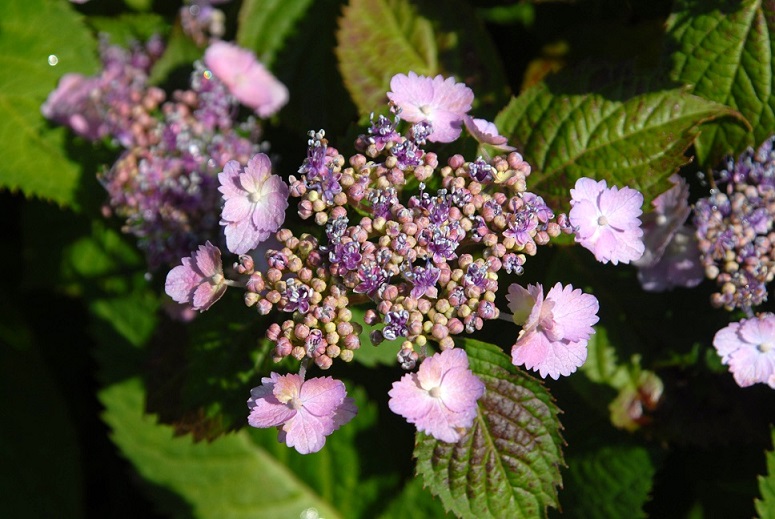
x,y
748,348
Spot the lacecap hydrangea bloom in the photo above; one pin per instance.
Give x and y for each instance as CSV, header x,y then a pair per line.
x,y
606,222
256,201
748,348
671,257
441,102
304,411
199,281
555,328
440,399
246,78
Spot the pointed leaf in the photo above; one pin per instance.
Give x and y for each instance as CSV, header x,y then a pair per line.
x,y
264,25
229,477
603,125
508,465
765,506
380,38
724,49
611,482
33,34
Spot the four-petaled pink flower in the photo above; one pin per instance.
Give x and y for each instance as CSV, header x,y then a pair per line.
x,y
555,329
439,101
73,105
304,411
606,220
486,132
256,201
199,281
748,348
440,399
246,78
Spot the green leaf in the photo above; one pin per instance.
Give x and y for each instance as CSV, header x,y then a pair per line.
x,y
35,159
765,506
611,482
231,477
724,49
414,502
604,125
265,25
368,354
177,62
508,464
380,38
129,27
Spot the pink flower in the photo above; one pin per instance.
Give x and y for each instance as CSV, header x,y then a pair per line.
x,y
442,102
256,201
304,411
199,281
72,104
748,348
246,78
554,335
486,132
440,399
606,220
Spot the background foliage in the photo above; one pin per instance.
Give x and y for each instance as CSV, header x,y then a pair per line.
x,y
113,410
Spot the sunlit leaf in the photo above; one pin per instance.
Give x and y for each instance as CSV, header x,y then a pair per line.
x,y
724,49
230,477
264,25
604,125
34,34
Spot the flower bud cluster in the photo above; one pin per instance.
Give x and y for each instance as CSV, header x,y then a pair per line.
x,y
298,281
427,259
734,229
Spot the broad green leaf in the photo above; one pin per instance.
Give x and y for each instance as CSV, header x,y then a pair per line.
x,y
34,33
765,506
611,482
232,477
604,125
264,25
508,465
724,49
380,38
177,62
414,502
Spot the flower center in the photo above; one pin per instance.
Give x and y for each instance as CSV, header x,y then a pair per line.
x,y
765,347
435,392
254,197
425,109
295,404
602,220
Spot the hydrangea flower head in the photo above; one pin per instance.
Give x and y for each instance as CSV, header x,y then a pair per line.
x,y
554,335
748,348
256,201
304,411
246,78
606,220
439,101
440,399
486,132
199,281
